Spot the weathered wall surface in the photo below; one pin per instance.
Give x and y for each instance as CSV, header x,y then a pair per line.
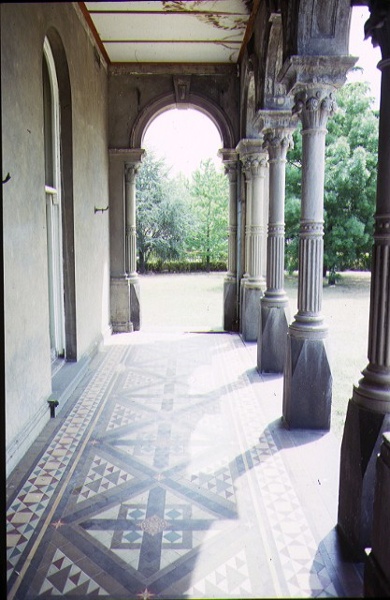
x,y
130,94
27,343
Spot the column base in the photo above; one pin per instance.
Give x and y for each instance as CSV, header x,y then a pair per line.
x,y
135,305
124,303
360,447
272,337
307,393
251,295
230,312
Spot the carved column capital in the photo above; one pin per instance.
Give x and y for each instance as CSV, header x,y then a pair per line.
x,y
131,170
231,172
314,106
252,156
277,142
277,127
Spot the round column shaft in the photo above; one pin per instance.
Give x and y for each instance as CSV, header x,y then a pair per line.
x,y
274,311
254,160
230,304
256,231
131,229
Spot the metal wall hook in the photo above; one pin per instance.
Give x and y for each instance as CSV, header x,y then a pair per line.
x,y
95,210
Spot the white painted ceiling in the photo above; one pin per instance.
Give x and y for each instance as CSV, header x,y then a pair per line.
x,y
196,31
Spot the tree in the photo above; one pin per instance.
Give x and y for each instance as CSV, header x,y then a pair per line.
x,y
350,181
350,184
210,196
163,217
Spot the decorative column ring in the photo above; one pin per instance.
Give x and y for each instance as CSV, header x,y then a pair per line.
x,y
131,169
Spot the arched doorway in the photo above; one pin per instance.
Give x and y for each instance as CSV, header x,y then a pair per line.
x,y
183,146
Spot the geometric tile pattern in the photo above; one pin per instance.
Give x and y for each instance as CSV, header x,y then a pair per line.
x,y
24,515
169,476
231,578
102,476
66,578
122,416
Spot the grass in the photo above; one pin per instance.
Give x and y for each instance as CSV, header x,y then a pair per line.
x,y
194,302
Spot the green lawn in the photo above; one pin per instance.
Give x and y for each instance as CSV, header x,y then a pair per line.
x,y
194,302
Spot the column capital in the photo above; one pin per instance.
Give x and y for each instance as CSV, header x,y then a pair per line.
x,y
314,106
131,170
231,172
278,143
229,159
253,164
253,156
302,73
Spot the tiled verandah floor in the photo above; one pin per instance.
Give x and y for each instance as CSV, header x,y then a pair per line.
x,y
168,474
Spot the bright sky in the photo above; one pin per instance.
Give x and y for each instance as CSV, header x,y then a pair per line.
x,y
368,55
184,137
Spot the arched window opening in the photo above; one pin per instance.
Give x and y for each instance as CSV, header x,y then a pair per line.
x,y
51,111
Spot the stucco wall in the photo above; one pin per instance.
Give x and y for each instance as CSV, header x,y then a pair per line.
x,y
130,94
27,344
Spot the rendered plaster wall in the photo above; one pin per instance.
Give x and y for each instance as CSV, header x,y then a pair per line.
x,y
27,343
130,94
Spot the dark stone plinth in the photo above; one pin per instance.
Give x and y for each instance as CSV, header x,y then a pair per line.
x,y
250,310
230,312
307,393
135,310
360,446
272,338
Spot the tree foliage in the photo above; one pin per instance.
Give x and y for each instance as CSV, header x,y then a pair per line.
x,y
163,217
350,184
209,191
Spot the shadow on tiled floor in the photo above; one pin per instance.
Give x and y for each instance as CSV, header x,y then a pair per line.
x,y
169,475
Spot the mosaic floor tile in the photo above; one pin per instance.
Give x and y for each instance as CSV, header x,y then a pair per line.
x,y
166,479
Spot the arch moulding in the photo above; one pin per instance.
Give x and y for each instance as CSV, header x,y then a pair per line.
x,y
169,101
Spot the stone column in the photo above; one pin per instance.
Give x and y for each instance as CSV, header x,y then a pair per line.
x,y
307,392
131,169
368,414
277,128
230,305
308,382
254,160
124,282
